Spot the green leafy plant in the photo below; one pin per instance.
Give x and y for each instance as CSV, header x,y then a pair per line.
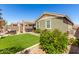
x,y
76,42
71,41
53,42
37,31
10,50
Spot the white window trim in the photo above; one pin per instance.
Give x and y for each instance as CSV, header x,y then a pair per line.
x,y
46,24
36,25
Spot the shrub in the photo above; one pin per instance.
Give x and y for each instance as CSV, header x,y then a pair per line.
x,y
53,42
10,50
71,41
37,31
76,42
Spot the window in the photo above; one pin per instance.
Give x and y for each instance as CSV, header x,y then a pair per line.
x,y
38,25
48,24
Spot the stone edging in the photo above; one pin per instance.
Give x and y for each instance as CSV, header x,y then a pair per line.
x,y
27,49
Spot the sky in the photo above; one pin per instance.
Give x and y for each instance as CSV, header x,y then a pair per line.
x,y
30,12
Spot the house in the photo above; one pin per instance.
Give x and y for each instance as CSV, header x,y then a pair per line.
x,y
22,27
13,28
26,26
2,25
29,26
76,33
52,21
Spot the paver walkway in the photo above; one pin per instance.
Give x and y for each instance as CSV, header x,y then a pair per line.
x,y
32,50
73,50
36,50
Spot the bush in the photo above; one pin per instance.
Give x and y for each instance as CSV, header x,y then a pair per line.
x,y
71,41
53,42
37,31
10,50
76,42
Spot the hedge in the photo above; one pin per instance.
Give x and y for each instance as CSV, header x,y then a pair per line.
x,y
76,42
10,50
53,42
37,31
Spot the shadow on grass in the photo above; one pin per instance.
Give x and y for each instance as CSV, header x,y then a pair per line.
x,y
2,37
11,50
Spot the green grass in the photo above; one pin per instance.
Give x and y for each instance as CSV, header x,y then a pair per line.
x,y
13,44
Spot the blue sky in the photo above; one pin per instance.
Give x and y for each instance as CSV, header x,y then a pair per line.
x,y
30,12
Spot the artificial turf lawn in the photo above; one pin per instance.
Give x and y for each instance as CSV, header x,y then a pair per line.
x,y
17,42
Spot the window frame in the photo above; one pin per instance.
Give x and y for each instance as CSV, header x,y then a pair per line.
x,y
46,23
37,25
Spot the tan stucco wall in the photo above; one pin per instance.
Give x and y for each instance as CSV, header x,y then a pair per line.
x,y
70,27
42,22
58,24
